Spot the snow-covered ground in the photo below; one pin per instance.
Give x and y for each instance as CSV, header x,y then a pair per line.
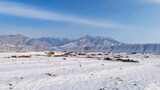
x,y
55,73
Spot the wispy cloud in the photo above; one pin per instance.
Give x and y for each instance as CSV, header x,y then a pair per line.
x,y
153,1
25,11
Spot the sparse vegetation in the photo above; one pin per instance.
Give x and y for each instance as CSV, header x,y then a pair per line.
x,y
120,59
21,56
146,56
96,71
50,74
127,60
64,58
108,58
49,54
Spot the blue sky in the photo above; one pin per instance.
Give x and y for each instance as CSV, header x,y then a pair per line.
x,y
131,21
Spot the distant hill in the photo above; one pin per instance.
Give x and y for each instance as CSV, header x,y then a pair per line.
x,y
19,42
89,43
22,43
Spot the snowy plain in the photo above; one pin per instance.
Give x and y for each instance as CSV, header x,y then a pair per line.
x,y
57,73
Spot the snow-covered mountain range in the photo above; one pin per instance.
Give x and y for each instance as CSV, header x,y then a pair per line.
x,y
86,43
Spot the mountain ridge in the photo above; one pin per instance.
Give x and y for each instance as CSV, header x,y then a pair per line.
x,y
20,42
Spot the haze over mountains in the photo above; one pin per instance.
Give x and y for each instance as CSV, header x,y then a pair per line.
x,y
86,43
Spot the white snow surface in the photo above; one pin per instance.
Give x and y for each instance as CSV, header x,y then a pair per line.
x,y
55,73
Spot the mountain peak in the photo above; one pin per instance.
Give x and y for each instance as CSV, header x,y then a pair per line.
x,y
20,42
90,43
